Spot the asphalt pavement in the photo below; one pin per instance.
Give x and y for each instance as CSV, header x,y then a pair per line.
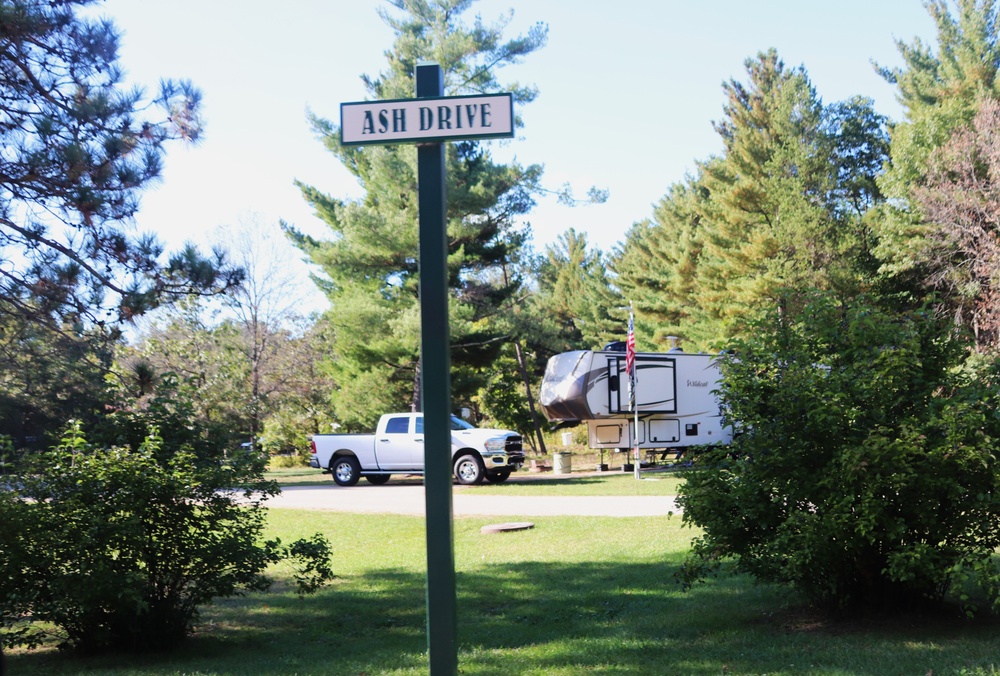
x,y
484,500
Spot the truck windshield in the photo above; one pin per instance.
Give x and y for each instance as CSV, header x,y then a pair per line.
x,y
459,424
456,424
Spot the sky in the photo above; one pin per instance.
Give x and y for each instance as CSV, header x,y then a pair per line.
x,y
628,91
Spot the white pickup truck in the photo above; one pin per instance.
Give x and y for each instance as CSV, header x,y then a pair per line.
x,y
397,447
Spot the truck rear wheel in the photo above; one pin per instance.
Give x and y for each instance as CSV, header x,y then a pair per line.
x,y
345,470
469,469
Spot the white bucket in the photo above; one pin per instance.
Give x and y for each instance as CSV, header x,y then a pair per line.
x,y
562,463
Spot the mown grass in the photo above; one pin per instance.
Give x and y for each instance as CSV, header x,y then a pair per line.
x,y
653,482
298,476
571,596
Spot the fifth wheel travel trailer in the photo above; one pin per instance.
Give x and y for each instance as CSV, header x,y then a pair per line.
x,y
675,399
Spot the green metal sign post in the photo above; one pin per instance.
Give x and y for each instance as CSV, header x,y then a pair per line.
x,y
435,381
429,120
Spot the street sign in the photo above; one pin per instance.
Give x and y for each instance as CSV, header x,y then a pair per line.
x,y
427,120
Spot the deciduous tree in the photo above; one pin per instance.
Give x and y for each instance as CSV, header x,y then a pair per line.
x,y
266,306
961,249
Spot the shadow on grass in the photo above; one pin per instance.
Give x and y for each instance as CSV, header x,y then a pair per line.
x,y
549,618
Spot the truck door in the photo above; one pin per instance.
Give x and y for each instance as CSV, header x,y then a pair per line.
x,y
399,446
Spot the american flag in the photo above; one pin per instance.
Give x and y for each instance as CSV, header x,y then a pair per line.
x,y
630,360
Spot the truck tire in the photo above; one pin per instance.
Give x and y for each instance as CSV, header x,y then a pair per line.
x,y
377,479
469,469
345,470
498,477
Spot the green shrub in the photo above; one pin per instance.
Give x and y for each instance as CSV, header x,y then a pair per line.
x,y
118,547
864,471
288,461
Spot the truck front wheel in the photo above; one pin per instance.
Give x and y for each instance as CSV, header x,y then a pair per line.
x,y
498,477
469,469
345,470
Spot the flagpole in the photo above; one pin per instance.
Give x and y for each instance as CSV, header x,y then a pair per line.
x,y
633,382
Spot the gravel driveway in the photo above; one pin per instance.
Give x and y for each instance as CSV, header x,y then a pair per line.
x,y
394,498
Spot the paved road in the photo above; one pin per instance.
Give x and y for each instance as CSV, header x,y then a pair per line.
x,y
394,498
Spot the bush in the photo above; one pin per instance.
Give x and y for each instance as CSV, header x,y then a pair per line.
x,y
287,461
864,471
118,547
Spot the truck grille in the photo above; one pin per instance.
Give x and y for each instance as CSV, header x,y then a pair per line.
x,y
515,451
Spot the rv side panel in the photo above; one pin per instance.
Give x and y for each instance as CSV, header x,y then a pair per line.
x,y
675,398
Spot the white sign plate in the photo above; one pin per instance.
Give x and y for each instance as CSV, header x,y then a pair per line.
x,y
428,120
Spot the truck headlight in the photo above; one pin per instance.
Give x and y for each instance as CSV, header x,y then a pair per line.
x,y
496,445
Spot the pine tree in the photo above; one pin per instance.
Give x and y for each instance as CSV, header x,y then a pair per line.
x,y
574,291
781,211
657,269
768,221
79,148
369,264
941,90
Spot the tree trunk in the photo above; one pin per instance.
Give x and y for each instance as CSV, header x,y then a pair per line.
x,y
531,400
417,405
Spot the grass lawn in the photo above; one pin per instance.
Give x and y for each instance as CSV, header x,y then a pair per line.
x,y
654,482
571,596
298,476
